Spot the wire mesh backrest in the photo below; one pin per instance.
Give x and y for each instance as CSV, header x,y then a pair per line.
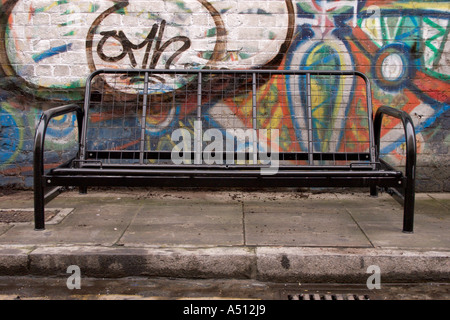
x,y
227,117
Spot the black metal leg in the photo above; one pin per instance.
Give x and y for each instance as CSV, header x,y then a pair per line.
x,y
39,207
39,193
374,191
83,190
408,209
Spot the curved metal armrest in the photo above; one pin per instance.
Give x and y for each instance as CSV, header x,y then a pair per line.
x,y
410,135
39,138
38,161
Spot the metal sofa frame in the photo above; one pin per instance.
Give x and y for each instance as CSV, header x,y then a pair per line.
x,y
153,94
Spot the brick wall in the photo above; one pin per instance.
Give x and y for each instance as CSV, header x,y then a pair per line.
x,y
48,47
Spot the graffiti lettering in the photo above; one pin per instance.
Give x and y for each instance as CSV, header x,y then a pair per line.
x,y
128,46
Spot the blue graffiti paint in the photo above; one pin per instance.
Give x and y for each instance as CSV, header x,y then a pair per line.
x,y
61,127
51,52
9,136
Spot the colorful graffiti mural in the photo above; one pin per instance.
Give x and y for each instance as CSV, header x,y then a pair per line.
x,y
48,47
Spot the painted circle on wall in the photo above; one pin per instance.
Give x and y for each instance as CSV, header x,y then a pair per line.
x,y
392,67
392,70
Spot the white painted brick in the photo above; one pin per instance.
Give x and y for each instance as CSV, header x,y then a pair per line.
x,y
41,19
79,70
202,19
44,70
61,71
38,45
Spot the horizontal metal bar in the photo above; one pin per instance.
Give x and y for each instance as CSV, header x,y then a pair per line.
x,y
230,167
255,172
167,155
227,181
225,71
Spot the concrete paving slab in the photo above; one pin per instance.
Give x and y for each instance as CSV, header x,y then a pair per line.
x,y
5,227
440,196
381,220
301,224
89,225
382,225
185,223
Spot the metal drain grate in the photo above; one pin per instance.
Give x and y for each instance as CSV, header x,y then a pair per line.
x,y
25,215
338,296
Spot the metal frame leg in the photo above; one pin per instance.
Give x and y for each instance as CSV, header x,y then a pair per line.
x,y
39,204
408,208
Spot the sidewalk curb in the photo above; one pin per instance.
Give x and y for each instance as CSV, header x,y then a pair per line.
x,y
350,265
276,264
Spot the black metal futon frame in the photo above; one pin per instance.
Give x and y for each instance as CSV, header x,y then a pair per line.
x,y
223,128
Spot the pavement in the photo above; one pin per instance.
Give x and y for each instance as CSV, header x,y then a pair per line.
x,y
315,236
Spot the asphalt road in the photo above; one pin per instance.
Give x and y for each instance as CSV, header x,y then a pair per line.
x,y
59,288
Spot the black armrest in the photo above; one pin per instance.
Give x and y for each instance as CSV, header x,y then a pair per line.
x,y
38,161
41,129
410,135
411,155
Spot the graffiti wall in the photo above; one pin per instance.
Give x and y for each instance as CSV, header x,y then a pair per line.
x,y
48,47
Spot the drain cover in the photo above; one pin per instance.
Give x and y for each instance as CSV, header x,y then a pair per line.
x,y
25,215
318,296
